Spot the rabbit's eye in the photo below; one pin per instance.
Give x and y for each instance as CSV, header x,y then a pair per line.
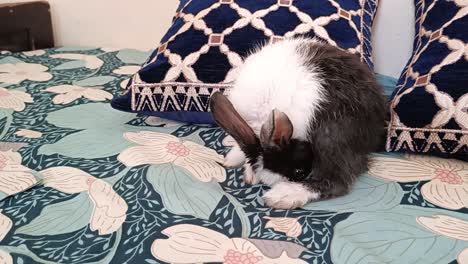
x,y
299,173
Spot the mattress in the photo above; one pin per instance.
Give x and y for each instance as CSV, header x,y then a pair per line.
x,y
83,183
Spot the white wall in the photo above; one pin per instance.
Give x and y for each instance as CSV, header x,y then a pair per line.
x,y
393,36
117,23
112,23
141,23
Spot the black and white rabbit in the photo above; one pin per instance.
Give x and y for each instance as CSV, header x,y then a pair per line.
x,y
305,115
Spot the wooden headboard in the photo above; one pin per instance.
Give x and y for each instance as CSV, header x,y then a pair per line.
x,y
26,26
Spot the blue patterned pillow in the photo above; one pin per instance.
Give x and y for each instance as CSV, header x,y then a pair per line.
x,y
205,45
182,3
429,108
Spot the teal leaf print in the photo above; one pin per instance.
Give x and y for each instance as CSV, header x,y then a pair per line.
x,y
5,121
369,194
71,65
94,81
90,61
11,60
182,193
82,246
392,236
92,139
61,218
131,56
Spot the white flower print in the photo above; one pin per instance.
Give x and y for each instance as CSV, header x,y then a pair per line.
x,y
158,148
28,133
110,209
289,226
70,93
229,141
463,256
448,179
157,121
5,257
110,49
34,53
14,177
450,227
124,83
195,244
13,99
16,73
67,179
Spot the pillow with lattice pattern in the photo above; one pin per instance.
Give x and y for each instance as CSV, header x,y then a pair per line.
x,y
429,108
208,40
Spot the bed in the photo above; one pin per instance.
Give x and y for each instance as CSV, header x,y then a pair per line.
x,y
83,183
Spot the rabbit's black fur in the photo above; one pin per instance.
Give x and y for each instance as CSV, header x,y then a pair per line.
x,y
344,129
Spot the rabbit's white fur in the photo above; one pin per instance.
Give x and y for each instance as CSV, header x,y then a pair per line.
x,y
235,158
287,195
275,76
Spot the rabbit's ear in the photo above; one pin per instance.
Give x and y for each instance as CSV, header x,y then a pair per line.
x,y
277,130
229,119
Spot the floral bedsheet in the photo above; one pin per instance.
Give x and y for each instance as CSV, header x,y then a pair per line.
x,y
83,183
